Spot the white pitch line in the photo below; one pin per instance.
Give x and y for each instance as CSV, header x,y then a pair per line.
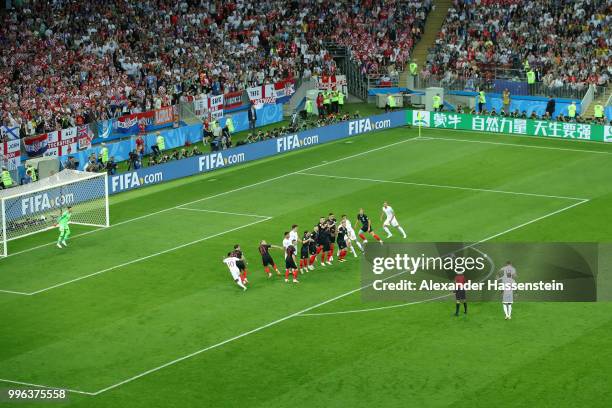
x,y
195,353
376,309
373,309
303,311
450,139
13,292
45,386
469,246
218,195
265,326
223,212
530,222
408,183
133,261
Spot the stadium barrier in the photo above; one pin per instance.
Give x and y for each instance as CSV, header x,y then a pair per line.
x,y
241,154
513,126
174,138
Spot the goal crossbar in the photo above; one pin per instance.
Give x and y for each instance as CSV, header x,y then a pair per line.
x,y
33,208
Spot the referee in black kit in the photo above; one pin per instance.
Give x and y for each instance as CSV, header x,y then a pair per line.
x,y
460,293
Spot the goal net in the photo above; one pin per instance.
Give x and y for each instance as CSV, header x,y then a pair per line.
x,y
35,207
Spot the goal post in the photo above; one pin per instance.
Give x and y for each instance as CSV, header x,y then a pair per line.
x,y
33,208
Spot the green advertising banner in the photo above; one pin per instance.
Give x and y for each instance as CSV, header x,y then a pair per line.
x,y
513,126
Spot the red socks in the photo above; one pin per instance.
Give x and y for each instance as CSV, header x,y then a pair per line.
x,y
362,236
313,258
286,273
322,256
243,276
319,249
376,237
342,254
267,270
295,274
330,253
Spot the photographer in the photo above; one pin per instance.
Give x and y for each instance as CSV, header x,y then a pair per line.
x,y
133,160
71,163
92,165
196,151
111,166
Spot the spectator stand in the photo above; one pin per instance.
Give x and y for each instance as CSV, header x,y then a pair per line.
x,y
567,45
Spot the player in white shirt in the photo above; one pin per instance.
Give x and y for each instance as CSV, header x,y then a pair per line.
x,y
351,237
391,219
508,268
293,235
230,261
507,294
286,242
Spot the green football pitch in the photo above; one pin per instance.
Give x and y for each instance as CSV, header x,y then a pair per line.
x,y
145,314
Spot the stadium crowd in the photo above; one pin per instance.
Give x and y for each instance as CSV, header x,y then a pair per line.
x,y
379,34
564,42
66,62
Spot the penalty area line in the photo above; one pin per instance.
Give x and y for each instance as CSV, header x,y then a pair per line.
x,y
409,183
304,311
48,387
373,309
231,339
222,212
144,258
220,194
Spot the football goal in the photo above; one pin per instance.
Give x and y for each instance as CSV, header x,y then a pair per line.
x,y
35,207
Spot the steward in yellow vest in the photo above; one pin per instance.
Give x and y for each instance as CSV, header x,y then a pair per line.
x,y
6,179
482,99
437,103
571,111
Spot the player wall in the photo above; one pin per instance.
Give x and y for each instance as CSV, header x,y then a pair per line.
x,y
237,155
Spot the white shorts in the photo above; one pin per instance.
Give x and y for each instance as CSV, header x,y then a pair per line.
x,y
350,234
391,221
235,273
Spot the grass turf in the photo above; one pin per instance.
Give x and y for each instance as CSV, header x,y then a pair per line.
x,y
138,315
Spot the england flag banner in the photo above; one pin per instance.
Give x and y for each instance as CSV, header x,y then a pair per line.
x,y
200,107
215,106
10,154
332,81
210,106
261,95
62,142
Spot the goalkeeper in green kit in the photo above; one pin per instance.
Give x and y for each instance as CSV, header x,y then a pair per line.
x,y
64,227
